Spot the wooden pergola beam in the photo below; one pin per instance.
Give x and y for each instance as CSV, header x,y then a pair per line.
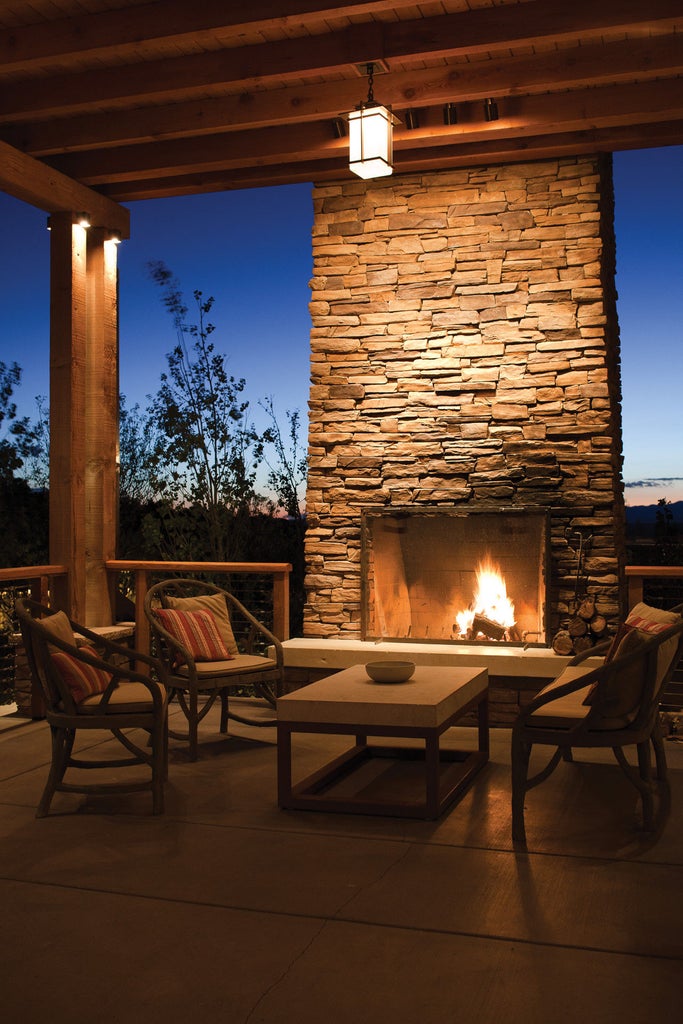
x,y
611,106
578,67
127,29
34,182
170,79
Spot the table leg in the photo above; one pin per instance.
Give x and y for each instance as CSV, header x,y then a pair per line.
x,y
432,775
284,764
483,720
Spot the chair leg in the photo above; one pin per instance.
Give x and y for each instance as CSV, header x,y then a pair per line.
x,y
224,711
193,725
660,754
159,764
521,753
645,772
62,745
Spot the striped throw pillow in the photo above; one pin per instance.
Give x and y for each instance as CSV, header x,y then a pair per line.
x,y
83,680
196,631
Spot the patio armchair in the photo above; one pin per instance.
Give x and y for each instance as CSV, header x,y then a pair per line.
x,y
88,683
192,626
613,705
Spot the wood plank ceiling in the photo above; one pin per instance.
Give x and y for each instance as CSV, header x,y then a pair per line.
x,y
146,99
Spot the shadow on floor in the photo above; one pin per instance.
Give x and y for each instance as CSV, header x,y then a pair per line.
x,y
226,908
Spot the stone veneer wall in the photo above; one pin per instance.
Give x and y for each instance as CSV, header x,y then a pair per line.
x,y
465,352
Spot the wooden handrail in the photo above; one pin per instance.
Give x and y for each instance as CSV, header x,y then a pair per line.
x,y
637,574
31,572
37,577
145,569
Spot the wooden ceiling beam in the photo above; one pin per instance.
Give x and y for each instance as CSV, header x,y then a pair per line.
x,y
34,182
438,158
567,68
127,29
576,110
251,67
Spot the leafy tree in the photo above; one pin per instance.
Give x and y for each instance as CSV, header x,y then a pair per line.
x,y
666,534
23,510
137,454
287,472
37,460
206,452
21,440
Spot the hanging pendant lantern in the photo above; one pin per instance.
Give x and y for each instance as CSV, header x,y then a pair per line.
x,y
371,129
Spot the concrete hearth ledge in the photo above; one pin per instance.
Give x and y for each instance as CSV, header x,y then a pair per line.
x,y
335,654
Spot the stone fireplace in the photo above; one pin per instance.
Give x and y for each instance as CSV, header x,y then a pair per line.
x,y
454,575
465,362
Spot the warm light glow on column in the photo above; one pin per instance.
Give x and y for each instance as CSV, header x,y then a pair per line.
x,y
371,141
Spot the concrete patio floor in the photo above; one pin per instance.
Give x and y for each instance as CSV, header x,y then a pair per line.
x,y
228,909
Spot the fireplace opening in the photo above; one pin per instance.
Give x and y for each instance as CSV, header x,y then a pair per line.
x,y
454,575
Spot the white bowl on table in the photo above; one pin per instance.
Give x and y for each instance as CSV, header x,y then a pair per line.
x,y
390,671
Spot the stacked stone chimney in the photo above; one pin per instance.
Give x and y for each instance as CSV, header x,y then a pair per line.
x,y
465,353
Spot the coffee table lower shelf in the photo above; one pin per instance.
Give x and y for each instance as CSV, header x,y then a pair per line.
x,y
407,782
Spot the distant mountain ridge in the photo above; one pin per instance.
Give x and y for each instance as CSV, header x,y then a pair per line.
x,y
648,513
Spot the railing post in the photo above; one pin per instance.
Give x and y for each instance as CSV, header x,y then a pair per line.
x,y
281,605
142,638
635,590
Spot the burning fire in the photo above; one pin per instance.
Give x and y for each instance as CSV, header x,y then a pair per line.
x,y
491,607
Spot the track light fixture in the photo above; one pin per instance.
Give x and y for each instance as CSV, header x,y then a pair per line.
x,y
412,119
450,114
490,110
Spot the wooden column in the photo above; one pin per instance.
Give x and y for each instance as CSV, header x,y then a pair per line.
x,y
83,414
67,406
101,424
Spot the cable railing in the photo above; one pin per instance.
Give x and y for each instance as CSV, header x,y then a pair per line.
x,y
271,576
267,593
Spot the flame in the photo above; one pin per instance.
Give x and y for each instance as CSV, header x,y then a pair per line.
x,y
490,600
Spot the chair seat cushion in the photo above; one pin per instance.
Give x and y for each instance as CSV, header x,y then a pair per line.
x,y
127,697
214,603
241,665
570,709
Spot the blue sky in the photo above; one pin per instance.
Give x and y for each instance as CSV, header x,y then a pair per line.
x,y
251,250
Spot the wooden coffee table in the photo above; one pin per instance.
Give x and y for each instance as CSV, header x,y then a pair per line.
x,y
408,781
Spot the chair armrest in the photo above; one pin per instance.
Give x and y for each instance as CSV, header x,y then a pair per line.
x,y
259,627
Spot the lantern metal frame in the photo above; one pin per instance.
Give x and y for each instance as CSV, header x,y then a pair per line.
x,y
371,125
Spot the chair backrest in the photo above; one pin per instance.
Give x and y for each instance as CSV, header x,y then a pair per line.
x,y
94,664
241,626
43,631
627,689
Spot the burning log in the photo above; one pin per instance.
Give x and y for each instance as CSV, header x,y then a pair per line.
x,y
482,624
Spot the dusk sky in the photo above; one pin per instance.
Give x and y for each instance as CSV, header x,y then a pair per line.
x,y
251,250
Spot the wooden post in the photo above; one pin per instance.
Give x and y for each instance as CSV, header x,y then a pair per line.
x,y
281,604
101,425
67,407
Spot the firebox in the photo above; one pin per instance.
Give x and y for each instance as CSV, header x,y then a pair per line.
x,y
455,575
